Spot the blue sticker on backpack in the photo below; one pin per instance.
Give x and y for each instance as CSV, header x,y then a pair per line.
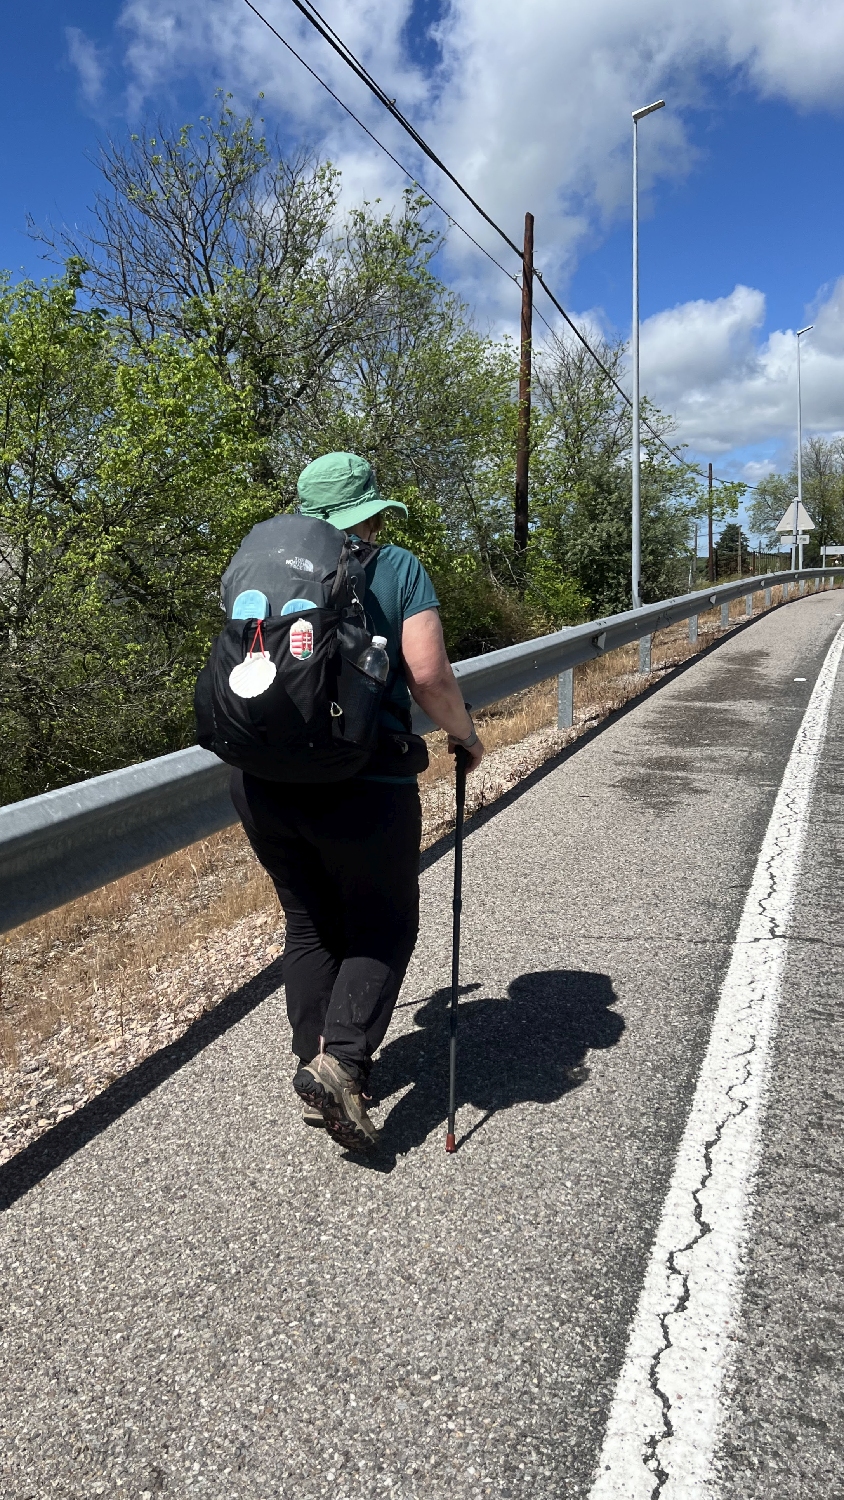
x,y
295,606
251,605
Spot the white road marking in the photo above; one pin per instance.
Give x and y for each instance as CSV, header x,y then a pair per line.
x,y
663,1424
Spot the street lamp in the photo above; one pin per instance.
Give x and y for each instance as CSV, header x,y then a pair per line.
x,y
799,500
638,114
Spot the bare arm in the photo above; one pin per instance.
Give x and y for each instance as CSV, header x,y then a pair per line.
x,y
432,682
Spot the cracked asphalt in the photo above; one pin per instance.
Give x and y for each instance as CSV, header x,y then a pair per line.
x,y
785,1428
205,1298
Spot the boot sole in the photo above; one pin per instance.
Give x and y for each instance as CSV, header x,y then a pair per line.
x,y
314,1093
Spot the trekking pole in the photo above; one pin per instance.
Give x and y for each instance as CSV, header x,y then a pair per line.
x,y
461,761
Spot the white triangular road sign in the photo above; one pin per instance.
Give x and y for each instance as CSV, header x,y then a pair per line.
x,y
804,520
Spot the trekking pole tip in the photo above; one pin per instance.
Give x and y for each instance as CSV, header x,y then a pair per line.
x,y
449,1143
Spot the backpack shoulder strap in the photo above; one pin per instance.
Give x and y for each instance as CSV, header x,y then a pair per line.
x,y
364,551
350,579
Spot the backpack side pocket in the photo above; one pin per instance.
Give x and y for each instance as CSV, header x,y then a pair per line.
x,y
359,700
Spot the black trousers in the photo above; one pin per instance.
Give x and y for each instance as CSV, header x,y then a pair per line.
x,y
344,859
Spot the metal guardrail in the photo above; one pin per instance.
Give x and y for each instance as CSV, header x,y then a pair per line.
x,y
66,843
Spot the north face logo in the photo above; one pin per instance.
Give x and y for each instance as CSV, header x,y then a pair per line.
x,y
302,564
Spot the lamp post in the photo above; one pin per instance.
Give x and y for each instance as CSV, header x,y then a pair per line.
x,y
638,114
799,501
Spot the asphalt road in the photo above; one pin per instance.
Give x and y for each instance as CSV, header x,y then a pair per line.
x,y
206,1298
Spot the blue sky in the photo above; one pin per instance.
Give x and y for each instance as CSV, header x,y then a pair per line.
x,y
757,209
742,214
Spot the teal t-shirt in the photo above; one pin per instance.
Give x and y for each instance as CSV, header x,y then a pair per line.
x,y
397,587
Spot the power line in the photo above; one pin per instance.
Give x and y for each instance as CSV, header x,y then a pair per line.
x,y
319,24
326,31
387,152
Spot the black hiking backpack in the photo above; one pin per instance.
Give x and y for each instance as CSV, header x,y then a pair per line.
x,y
281,695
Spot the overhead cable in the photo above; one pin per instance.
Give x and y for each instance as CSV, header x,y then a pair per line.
x,y
319,24
329,35
387,152
327,32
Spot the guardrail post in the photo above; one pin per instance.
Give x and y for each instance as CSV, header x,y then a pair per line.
x,y
802,588
693,627
725,616
565,699
769,595
645,653
748,605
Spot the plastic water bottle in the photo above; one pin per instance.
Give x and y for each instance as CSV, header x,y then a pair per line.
x,y
374,661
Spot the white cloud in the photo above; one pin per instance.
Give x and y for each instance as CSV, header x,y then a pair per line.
x,y
695,343
85,57
530,105
704,362
223,43
759,468
791,49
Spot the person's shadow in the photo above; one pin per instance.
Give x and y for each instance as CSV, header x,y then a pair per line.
x,y
530,1046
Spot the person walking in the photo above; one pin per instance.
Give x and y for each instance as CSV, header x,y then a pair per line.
x,y
344,856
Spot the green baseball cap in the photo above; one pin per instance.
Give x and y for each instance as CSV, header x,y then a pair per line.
x,y
341,488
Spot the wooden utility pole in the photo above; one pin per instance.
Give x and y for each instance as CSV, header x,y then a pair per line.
x,y
711,571
520,526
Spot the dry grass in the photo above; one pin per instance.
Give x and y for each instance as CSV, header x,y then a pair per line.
x,y
66,963
88,989
600,687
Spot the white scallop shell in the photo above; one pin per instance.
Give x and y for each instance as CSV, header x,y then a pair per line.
x,y
253,676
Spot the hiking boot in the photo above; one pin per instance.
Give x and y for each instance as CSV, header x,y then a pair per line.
x,y
325,1085
312,1116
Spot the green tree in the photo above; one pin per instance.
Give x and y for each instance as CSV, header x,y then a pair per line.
x,y
823,497
580,544
714,506
732,544
334,328
771,500
823,493
126,481
55,378
213,236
